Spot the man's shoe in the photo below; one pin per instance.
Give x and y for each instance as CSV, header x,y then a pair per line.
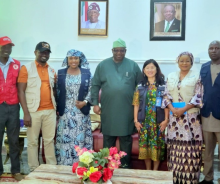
x,y
206,182
18,176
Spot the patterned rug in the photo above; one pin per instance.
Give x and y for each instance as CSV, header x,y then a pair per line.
x,y
7,178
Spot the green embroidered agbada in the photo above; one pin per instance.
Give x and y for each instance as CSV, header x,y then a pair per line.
x,y
117,82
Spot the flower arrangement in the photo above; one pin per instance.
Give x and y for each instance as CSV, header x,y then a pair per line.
x,y
97,167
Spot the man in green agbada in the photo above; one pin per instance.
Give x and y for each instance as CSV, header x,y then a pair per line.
x,y
117,77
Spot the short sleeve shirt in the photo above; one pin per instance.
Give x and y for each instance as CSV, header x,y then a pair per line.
x,y
45,90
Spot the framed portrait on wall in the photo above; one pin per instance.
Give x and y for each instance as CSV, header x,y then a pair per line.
x,y
93,18
167,20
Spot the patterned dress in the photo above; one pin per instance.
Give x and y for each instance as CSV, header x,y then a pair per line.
x,y
151,141
184,141
74,128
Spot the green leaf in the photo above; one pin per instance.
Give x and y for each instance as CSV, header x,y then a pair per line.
x,y
100,154
81,164
85,177
95,154
101,181
105,152
102,162
93,164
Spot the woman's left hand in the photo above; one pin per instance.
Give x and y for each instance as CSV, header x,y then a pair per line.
x,y
80,104
163,125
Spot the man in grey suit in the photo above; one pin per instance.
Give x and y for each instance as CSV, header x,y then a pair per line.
x,y
170,24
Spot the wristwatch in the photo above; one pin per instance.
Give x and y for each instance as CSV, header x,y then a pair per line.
x,y
85,101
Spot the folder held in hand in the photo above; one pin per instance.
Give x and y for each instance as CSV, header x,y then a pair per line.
x,y
178,105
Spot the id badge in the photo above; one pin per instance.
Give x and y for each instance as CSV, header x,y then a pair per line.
x,y
146,108
158,101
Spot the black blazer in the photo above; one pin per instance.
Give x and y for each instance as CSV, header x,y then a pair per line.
x,y
160,114
175,26
211,97
83,90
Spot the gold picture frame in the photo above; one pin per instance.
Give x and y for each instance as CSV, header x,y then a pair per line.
x,y
93,18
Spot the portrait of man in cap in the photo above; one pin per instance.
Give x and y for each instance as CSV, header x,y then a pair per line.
x,y
92,20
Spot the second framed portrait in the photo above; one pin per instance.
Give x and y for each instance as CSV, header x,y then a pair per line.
x,y
93,18
167,19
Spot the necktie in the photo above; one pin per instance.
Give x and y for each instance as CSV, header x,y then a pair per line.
x,y
167,27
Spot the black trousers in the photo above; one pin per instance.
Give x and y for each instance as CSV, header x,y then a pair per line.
x,y
9,118
125,145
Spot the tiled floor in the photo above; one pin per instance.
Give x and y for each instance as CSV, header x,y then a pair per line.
x,y
25,168
216,171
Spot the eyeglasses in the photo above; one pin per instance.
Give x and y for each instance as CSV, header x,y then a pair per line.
x,y
119,50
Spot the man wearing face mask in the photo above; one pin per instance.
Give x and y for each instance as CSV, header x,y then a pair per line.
x,y
93,15
170,24
117,77
36,88
9,105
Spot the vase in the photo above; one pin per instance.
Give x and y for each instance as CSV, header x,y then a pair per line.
x,y
89,182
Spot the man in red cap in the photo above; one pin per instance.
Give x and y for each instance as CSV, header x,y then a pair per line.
x,y
9,105
93,15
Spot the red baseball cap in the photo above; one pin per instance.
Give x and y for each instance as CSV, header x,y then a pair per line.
x,y
5,40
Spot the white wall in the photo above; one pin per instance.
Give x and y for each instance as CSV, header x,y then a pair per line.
x,y
28,22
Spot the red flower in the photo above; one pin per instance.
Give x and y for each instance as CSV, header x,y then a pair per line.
x,y
113,150
107,174
99,167
81,170
75,165
95,176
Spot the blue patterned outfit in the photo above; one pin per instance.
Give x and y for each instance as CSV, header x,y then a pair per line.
x,y
74,128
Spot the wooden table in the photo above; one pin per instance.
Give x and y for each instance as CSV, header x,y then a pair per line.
x,y
54,174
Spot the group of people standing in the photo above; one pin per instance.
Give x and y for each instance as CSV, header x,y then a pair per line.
x,y
190,107
131,100
181,101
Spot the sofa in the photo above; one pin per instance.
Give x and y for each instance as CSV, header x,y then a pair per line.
x,y
135,162
98,144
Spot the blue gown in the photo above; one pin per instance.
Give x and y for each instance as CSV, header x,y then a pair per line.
x,y
74,128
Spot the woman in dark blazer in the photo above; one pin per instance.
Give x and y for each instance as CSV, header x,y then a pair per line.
x,y
73,106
